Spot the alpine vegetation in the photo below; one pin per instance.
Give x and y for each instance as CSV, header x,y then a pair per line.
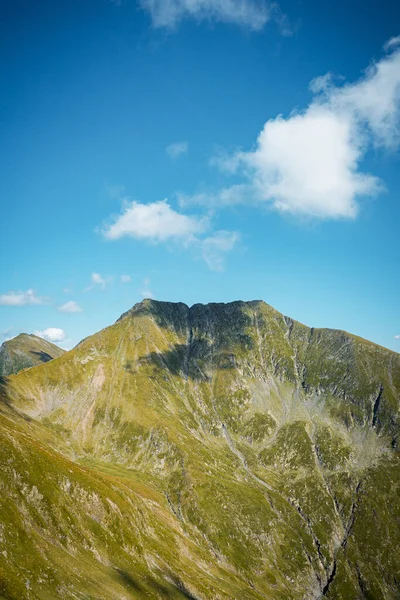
x,y
222,451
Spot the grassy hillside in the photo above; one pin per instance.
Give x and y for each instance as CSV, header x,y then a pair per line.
x,y
221,451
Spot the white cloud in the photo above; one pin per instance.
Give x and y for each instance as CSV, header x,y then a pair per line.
x,y
126,279
373,102
251,14
145,290
21,298
223,197
215,247
156,222
309,163
52,334
177,149
70,307
397,337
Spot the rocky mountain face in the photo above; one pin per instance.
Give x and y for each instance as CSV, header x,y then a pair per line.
x,y
24,351
216,452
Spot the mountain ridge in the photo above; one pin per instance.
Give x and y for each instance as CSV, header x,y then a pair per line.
x,y
146,304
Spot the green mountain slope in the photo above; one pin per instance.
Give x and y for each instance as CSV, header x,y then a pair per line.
x,y
212,452
24,351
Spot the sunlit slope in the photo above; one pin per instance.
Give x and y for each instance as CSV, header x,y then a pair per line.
x,y
24,351
271,448
70,531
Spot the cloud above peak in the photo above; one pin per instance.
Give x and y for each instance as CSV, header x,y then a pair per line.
x,y
70,307
155,222
250,14
309,163
52,334
216,246
158,222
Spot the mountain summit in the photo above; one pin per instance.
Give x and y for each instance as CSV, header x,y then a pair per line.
x,y
221,451
24,351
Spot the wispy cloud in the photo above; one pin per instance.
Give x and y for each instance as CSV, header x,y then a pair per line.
x,y
392,43
250,14
234,194
52,334
98,281
126,278
177,149
215,247
115,191
28,298
310,162
158,222
397,337
145,290
70,307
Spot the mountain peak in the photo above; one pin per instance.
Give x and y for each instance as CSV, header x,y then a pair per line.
x,y
26,350
182,318
158,307
190,434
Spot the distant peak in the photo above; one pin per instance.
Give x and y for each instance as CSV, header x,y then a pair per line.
x,y
21,336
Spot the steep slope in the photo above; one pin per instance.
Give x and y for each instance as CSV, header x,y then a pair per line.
x,y
218,451
24,351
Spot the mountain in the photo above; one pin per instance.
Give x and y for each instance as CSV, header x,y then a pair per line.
x,y
24,351
217,452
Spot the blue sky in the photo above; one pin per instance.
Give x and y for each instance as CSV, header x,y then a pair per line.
x,y
199,151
